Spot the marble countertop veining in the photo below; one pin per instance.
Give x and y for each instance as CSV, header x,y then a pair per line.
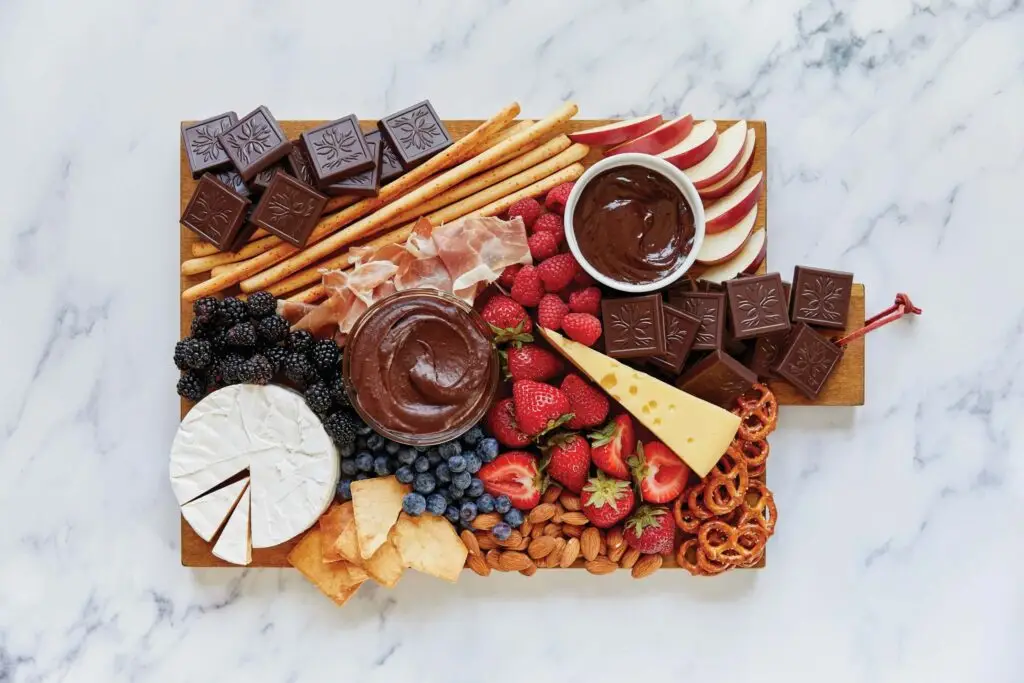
x,y
896,151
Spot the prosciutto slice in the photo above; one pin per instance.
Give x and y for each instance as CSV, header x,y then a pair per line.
x,y
475,250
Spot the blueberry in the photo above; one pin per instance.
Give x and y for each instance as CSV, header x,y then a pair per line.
x,y
375,442
467,513
414,504
473,463
475,488
452,514
347,450
360,444
457,463
381,466
462,479
364,461
434,456
407,455
404,474
502,504
514,518
424,483
420,449
501,531
487,449
443,491
364,429
361,476
450,448
421,464
473,436
348,468
392,447
345,489
455,493
485,503
443,473
436,504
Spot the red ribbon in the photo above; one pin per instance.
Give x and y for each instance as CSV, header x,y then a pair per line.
x,y
903,306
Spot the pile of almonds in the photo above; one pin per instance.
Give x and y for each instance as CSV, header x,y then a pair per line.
x,y
555,534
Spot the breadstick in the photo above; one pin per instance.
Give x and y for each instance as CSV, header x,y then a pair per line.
x,y
566,175
204,248
359,209
309,296
375,221
505,134
217,270
203,264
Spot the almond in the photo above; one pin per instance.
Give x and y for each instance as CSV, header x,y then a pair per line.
x,y
478,564
614,538
630,558
571,552
590,543
555,556
551,494
514,561
646,565
486,521
541,547
601,565
522,545
538,530
542,513
485,540
615,554
469,538
526,527
603,547
553,529
514,539
529,571
494,559
572,531
569,500
559,511
575,518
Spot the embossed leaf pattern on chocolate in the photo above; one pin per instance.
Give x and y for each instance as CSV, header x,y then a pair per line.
x,y
810,363
758,304
819,298
417,129
337,148
675,334
389,157
632,326
212,208
365,177
251,140
204,142
234,181
706,314
301,167
289,205
728,383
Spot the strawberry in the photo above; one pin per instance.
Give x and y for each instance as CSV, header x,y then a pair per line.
x,y
550,311
528,209
527,288
514,474
501,423
507,319
508,275
583,279
612,445
543,245
651,530
568,460
582,327
589,404
530,361
586,300
557,197
658,472
557,272
606,501
540,407
551,222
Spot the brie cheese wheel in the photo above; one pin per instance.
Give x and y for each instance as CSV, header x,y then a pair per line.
x,y
271,432
207,514
234,545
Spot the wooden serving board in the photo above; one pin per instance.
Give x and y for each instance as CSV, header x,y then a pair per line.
x,y
845,388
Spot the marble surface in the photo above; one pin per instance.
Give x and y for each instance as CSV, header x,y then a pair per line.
x,y
896,151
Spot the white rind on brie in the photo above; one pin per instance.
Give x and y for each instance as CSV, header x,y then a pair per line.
x,y
207,514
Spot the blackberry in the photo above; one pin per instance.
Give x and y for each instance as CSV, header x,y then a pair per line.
x,y
246,373
202,330
273,328
261,369
318,398
276,356
300,341
414,504
229,368
205,309
231,311
261,304
179,354
325,355
297,368
341,427
339,394
241,334
218,340
192,385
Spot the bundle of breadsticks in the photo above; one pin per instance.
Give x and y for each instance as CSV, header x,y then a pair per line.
x,y
481,174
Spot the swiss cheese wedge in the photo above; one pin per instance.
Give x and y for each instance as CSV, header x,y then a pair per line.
x,y
697,431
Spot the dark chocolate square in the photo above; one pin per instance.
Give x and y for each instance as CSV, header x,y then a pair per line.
x,y
416,134
216,213
633,326
821,297
289,209
255,142
231,178
203,149
680,331
367,183
299,166
766,352
807,360
391,168
336,150
757,305
261,180
709,309
718,379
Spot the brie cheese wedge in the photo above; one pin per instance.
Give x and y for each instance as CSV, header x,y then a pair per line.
x,y
233,545
207,514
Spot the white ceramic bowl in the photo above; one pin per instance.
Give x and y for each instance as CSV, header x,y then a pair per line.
x,y
663,168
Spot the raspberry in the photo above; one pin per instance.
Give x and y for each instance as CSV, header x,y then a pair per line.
x,y
528,209
557,197
551,222
508,276
557,272
550,311
543,245
527,288
586,301
582,327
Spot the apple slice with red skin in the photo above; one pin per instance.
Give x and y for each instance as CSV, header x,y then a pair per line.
x,y
722,159
665,136
727,211
695,147
620,131
736,175
748,260
719,247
